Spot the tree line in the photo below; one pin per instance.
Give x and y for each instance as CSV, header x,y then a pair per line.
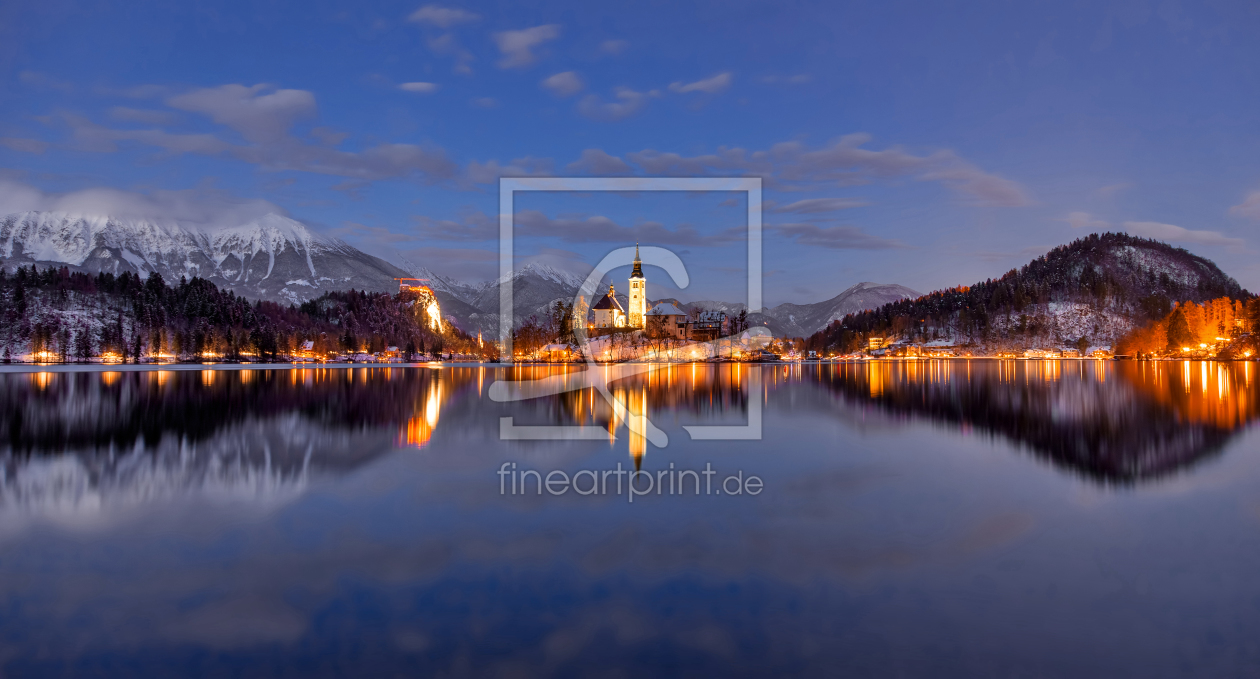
x,y
61,315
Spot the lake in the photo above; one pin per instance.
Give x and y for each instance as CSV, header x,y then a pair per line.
x,y
907,519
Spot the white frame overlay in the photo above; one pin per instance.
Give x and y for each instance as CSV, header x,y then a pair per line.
x,y
507,191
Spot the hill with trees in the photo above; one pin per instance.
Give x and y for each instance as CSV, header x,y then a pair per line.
x,y
62,315
1091,292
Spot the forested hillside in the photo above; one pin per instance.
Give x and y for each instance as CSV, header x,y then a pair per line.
x,y
1092,291
63,315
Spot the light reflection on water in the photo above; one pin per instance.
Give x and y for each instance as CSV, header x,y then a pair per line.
x,y
348,520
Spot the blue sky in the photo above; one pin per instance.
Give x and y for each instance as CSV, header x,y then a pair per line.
x,y
928,144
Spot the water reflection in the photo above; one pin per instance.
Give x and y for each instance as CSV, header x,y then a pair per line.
x,y
1111,421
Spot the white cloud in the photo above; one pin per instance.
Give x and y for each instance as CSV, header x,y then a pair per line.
x,y
1084,220
24,145
257,116
799,79
834,237
146,116
628,103
204,206
1177,234
517,46
597,162
442,17
1250,207
811,206
614,46
564,84
418,87
485,102
712,85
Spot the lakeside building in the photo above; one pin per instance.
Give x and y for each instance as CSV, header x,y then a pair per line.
x,y
669,319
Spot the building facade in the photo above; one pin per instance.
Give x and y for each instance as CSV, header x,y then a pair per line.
x,y
608,311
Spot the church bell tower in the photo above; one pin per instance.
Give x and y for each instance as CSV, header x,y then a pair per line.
x,y
638,293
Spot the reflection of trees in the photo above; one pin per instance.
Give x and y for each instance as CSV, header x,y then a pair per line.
x,y
44,412
1116,422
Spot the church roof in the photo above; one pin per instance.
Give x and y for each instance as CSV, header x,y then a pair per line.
x,y
638,264
608,302
666,309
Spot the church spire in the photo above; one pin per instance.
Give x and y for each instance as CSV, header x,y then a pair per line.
x,y
638,265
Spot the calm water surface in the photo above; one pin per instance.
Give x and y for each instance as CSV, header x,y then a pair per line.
x,y
936,519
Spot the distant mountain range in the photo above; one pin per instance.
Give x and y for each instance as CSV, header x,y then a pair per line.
x,y
273,258
279,259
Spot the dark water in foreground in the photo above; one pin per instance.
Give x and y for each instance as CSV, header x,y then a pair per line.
x,y
943,519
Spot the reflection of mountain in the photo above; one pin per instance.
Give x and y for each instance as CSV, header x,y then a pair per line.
x,y
80,441
1112,422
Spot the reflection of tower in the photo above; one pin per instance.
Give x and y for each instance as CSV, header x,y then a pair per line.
x,y
638,293
421,425
636,403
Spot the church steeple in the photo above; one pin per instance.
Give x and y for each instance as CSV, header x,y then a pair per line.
x,y
638,265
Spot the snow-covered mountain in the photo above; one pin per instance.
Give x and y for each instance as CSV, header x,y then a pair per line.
x,y
272,257
475,306
803,320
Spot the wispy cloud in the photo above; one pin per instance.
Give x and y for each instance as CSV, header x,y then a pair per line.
x,y
45,81
597,162
442,17
479,227
1177,234
146,116
711,85
628,102
833,237
564,84
517,47
614,46
260,113
1250,207
24,145
811,206
1084,220
419,87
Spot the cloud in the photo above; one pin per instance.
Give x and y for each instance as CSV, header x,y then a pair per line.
x,y
205,206
479,227
564,84
1177,234
712,85
442,17
260,115
24,145
44,81
517,46
383,161
597,162
614,46
1023,255
1083,220
819,205
490,171
799,79
1250,207
628,103
485,102
418,87
328,136
844,162
834,237
146,116
447,45
1112,189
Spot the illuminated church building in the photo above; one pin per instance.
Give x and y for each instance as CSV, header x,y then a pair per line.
x,y
608,311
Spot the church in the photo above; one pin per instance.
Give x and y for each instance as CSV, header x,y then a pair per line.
x,y
609,312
